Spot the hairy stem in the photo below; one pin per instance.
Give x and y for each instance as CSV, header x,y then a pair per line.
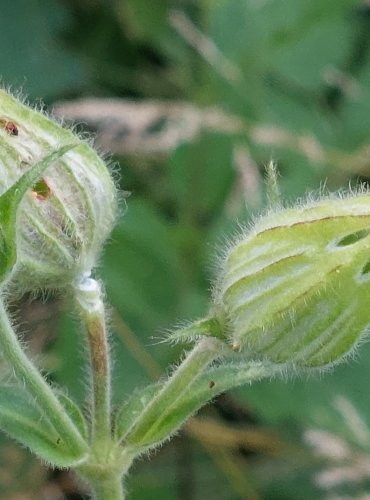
x,y
29,375
88,296
110,488
206,351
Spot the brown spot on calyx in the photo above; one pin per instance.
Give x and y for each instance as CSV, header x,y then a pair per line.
x,y
11,128
41,191
211,384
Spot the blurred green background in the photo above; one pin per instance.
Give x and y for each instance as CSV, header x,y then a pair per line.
x,y
205,94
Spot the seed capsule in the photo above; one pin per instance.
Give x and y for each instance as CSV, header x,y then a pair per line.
x,y
63,221
296,288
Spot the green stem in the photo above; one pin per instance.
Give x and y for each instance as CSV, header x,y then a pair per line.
x,y
110,488
29,375
88,296
144,428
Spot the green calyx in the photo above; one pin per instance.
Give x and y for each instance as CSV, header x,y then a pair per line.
x,y
64,220
295,289
9,203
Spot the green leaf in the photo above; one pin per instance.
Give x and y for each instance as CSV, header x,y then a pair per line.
x,y
211,383
9,203
75,414
21,419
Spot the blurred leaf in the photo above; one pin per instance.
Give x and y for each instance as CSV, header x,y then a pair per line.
x,y
200,176
31,55
354,127
146,20
141,267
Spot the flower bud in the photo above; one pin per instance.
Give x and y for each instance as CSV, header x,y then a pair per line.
x,y
63,219
296,288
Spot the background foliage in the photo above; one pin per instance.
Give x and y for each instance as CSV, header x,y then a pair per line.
x,y
209,91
